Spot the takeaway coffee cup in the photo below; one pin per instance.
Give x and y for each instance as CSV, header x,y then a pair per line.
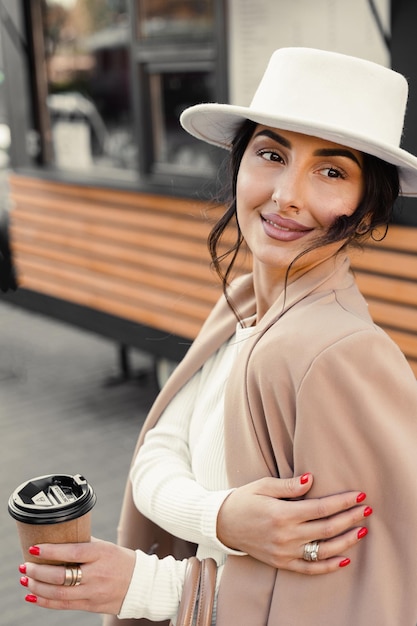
x,y
52,509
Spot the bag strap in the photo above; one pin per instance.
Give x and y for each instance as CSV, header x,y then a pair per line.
x,y
207,592
199,583
190,593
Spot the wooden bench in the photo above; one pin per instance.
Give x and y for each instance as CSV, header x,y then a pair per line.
x,y
144,258
386,272
136,256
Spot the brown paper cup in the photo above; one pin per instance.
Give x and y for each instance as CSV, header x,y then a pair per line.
x,y
74,531
42,518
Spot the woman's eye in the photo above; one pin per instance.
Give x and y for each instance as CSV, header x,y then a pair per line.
x,y
270,155
332,172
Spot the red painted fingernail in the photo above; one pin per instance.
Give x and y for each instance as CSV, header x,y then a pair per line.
x,y
304,478
24,580
367,511
22,568
362,532
31,598
361,497
34,550
344,562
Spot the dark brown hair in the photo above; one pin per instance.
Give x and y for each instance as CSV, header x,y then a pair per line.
x,y
381,189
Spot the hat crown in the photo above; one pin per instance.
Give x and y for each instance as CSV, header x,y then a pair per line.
x,y
352,96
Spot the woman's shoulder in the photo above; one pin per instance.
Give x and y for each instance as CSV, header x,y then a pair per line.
x,y
330,320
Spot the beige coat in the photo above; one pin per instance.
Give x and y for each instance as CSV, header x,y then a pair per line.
x,y
317,388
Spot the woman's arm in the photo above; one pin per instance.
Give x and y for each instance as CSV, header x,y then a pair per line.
x,y
357,424
258,519
164,485
107,571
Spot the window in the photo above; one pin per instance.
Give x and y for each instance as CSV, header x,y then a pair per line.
x,y
87,62
177,58
174,150
118,74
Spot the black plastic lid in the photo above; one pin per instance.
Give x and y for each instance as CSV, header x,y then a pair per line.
x,y
51,499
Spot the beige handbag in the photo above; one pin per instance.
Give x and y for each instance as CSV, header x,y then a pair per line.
x,y
198,593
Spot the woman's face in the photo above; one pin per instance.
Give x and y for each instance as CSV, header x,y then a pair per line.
x,y
290,190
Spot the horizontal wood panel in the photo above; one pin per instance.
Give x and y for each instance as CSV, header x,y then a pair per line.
x,y
183,327
192,219
173,315
387,288
164,242
137,256
206,291
126,231
397,238
191,225
148,295
392,315
386,272
49,245
46,189
387,262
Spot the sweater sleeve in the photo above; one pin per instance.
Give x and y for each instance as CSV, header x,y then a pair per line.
x,y
155,589
164,487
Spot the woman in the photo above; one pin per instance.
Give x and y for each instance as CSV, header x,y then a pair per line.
x,y
319,403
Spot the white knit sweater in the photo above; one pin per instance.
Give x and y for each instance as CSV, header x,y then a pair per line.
x,y
179,481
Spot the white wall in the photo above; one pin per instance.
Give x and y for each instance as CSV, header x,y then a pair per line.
x,y
258,27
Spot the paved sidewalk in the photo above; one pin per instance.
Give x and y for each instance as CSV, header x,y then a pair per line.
x,y
58,414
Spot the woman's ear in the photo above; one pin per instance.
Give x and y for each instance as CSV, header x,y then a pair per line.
x,y
364,226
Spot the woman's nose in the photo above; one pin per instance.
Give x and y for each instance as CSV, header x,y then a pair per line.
x,y
288,190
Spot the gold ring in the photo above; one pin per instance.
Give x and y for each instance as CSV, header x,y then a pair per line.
x,y
73,576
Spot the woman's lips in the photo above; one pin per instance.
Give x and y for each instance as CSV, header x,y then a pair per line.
x,y
283,229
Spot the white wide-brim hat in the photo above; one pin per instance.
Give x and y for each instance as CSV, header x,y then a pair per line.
x,y
343,99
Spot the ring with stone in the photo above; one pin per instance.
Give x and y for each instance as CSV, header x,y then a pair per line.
x,y
311,551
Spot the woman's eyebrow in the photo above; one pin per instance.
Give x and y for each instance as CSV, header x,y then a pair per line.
x,y
326,152
331,152
275,137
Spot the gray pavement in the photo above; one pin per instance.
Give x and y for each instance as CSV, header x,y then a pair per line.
x,y
58,414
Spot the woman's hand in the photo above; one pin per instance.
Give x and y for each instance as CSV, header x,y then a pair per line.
x,y
257,520
106,573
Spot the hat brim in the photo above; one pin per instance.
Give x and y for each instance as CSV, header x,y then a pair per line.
x,y
217,124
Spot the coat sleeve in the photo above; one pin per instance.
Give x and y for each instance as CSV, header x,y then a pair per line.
x,y
356,428
348,414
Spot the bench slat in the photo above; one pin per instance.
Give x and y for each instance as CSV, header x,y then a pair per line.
x,y
386,262
181,326
174,314
208,292
191,225
49,245
394,316
387,288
